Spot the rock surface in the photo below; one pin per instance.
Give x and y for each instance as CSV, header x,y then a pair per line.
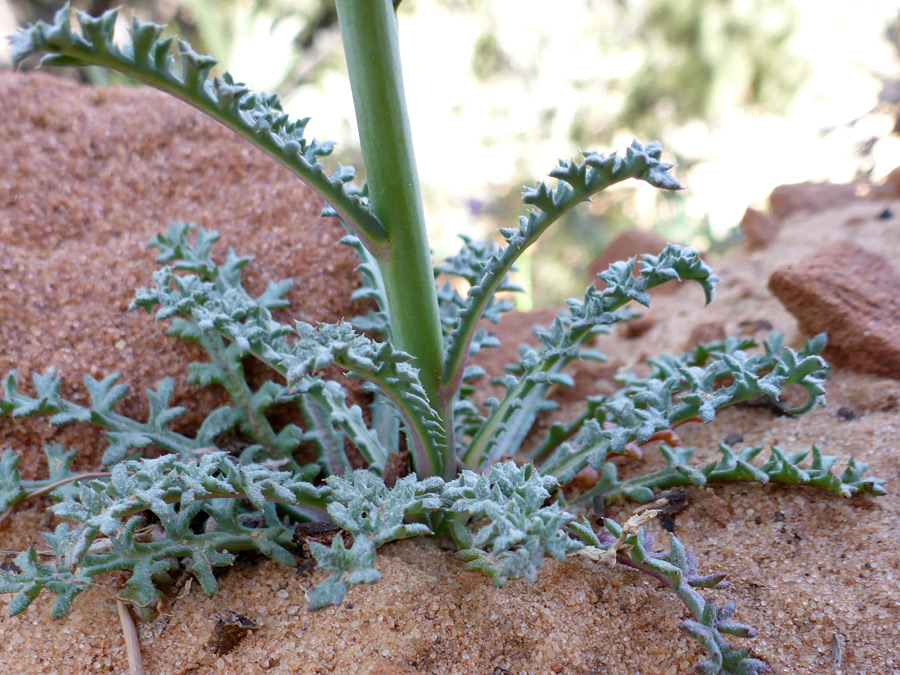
x,y
759,228
851,294
706,331
889,188
787,200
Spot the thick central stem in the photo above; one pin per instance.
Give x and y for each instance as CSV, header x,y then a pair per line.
x,y
369,32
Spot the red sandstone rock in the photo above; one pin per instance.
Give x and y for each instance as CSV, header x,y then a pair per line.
x,y
89,176
708,331
759,228
851,294
889,188
809,197
637,327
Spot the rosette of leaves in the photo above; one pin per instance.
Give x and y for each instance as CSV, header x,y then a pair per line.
x,y
109,516
514,527
362,505
200,505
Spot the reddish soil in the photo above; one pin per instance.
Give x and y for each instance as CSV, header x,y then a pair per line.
x,y
90,175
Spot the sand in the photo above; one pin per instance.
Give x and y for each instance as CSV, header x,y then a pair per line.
x,y
818,575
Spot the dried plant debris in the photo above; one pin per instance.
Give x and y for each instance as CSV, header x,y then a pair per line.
x,y
319,532
671,502
229,629
838,643
396,467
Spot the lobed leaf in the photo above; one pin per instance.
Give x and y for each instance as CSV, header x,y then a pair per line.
x,y
519,529
362,505
176,493
677,390
736,466
576,182
678,570
504,429
174,67
123,433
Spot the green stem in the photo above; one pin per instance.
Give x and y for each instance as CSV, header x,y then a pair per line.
x,y
369,32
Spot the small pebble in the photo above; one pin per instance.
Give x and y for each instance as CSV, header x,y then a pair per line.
x,y
846,413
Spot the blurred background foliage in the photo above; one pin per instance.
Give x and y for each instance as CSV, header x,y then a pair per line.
x,y
744,95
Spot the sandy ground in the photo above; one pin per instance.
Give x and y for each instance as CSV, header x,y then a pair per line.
x,y
818,575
